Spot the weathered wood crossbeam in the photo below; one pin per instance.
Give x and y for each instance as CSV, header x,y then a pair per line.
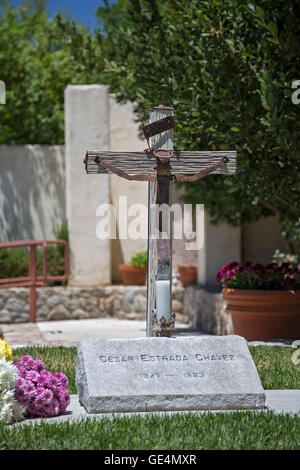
x,y
144,163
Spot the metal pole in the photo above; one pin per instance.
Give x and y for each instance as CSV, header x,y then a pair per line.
x,y
32,288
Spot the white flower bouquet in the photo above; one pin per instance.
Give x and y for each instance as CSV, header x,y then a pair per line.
x,y
10,409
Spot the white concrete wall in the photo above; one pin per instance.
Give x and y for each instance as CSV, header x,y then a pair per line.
x,y
222,244
124,136
86,128
260,239
32,196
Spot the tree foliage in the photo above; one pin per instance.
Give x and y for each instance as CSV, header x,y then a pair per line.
x,y
39,57
227,67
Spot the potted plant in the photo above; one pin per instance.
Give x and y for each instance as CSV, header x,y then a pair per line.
x,y
135,272
188,275
264,301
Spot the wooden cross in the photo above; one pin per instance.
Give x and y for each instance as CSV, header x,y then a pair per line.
x,y
160,165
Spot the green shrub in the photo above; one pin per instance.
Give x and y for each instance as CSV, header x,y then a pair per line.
x,y
140,260
14,262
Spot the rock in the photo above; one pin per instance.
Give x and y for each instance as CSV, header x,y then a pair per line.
x,y
42,311
140,304
17,305
5,316
83,303
54,300
110,303
19,317
131,316
79,314
59,312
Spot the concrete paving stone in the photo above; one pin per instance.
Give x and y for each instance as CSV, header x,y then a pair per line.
x,y
274,342
26,334
278,401
69,332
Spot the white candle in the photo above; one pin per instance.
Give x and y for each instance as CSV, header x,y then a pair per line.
x,y
163,300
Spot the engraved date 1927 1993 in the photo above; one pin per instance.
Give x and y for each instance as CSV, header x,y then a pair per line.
x,y
187,375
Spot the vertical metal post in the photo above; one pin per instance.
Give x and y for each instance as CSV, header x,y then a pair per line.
x,y
159,250
32,288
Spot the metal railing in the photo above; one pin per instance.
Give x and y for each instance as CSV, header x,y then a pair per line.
x,y
33,280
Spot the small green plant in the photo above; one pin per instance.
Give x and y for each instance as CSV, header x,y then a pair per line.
x,y
140,260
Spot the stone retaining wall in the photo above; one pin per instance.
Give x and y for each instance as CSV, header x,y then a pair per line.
x,y
63,303
200,308
206,311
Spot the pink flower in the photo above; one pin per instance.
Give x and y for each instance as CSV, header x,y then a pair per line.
x,y
21,382
28,362
42,393
42,379
21,396
52,409
29,389
39,365
46,379
62,379
64,399
32,375
21,369
43,397
31,409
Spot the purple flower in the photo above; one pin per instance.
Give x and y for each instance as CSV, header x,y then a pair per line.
x,y
39,365
289,283
29,389
257,276
232,265
248,264
31,409
63,399
52,409
32,375
43,397
21,396
258,267
271,266
21,370
42,393
28,362
62,379
47,379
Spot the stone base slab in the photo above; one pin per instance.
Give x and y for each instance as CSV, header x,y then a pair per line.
x,y
165,374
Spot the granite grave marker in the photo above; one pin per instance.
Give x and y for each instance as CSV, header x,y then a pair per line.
x,y
164,374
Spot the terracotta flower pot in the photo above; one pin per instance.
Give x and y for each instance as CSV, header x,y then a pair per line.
x,y
264,314
188,275
133,276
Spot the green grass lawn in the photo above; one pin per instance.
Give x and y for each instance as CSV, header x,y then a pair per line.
x,y
238,430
